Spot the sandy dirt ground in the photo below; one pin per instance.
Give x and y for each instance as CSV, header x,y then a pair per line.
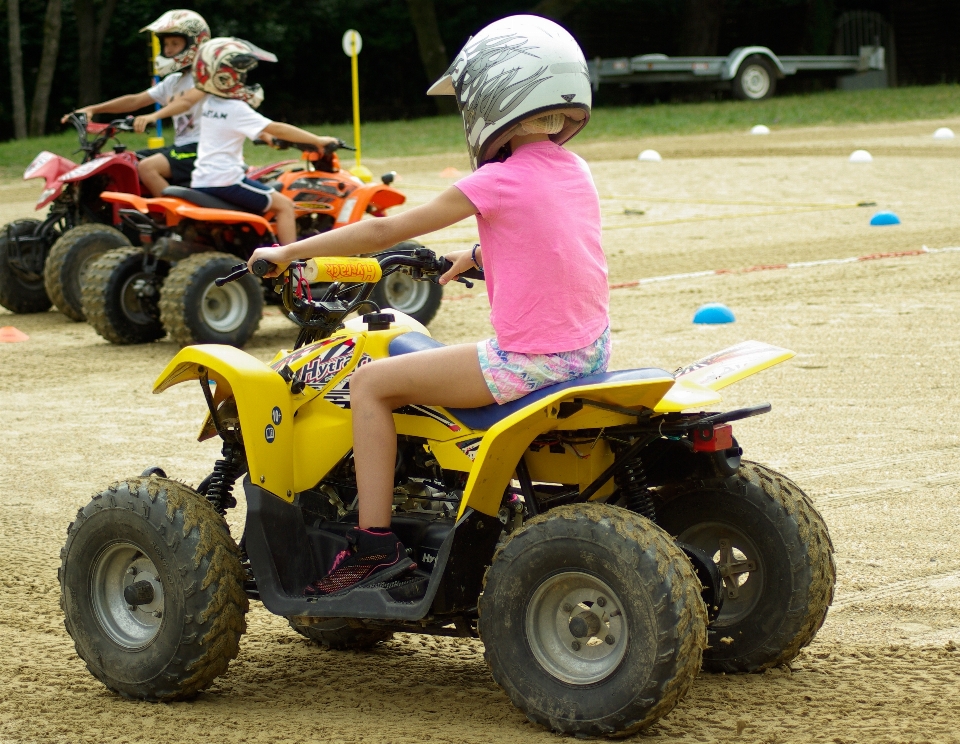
x,y
864,419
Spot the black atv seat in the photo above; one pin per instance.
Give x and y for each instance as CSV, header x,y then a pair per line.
x,y
487,416
202,200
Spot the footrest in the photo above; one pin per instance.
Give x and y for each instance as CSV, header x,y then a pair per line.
x,y
407,589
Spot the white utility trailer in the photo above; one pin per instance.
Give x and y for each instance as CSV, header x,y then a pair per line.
x,y
751,72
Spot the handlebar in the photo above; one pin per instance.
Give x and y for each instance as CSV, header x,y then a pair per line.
x,y
320,318
104,132
282,144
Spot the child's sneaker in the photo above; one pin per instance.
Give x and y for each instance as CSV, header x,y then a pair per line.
x,y
373,556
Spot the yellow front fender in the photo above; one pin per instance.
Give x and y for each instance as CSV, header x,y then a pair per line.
x,y
263,402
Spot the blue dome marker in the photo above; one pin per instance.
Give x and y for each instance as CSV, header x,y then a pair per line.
x,y
713,313
884,218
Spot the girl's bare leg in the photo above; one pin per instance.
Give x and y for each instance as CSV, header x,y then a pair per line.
x,y
448,377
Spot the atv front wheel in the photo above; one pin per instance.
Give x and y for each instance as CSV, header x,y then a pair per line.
x,y
418,299
120,298
776,560
152,589
592,621
68,260
20,291
196,311
335,633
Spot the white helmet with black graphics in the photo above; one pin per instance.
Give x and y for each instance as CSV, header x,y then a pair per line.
x,y
187,24
521,74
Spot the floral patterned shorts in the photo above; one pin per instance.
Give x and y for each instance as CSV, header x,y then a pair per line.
x,y
510,375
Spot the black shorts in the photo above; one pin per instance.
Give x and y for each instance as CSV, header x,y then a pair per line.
x,y
181,158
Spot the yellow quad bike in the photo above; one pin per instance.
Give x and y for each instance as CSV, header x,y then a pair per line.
x,y
601,536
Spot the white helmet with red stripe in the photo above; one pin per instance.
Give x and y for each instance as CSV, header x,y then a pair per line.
x,y
222,66
185,23
521,74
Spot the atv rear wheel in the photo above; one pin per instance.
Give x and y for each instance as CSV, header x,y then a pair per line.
x,y
775,555
68,260
120,298
152,589
196,311
20,292
418,299
335,633
592,621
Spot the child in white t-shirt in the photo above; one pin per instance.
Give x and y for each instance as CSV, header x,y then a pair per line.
x,y
227,120
165,165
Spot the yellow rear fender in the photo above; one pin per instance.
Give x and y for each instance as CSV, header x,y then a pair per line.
x,y
698,383
263,402
506,441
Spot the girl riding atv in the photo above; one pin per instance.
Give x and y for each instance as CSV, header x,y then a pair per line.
x,y
522,88
229,118
181,32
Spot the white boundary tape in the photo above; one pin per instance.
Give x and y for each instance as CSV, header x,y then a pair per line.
x,y
760,267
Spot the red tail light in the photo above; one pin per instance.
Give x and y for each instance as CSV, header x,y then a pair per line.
x,y
712,438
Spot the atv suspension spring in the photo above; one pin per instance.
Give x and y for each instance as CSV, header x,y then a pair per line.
x,y
217,487
632,481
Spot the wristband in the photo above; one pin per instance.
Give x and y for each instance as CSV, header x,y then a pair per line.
x,y
473,255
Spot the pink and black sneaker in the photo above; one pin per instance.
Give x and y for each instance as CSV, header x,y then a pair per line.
x,y
373,556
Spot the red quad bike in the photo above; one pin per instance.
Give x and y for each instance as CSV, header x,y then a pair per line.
x,y
188,239
41,260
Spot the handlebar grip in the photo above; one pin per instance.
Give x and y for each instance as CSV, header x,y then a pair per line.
x,y
261,266
468,274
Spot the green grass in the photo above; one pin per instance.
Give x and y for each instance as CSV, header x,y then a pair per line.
x,y
445,134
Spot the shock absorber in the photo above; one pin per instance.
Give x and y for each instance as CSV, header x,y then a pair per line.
x,y
218,486
632,481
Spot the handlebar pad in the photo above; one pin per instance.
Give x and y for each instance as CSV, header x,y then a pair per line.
x,y
468,274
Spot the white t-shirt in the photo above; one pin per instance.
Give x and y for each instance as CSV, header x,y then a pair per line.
x,y
186,125
227,123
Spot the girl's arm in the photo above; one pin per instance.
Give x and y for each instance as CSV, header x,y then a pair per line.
x,y
291,133
177,106
120,105
377,234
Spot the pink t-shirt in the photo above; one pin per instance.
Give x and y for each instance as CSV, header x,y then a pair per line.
x,y
538,214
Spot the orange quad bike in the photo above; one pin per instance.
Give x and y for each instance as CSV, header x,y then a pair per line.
x,y
188,239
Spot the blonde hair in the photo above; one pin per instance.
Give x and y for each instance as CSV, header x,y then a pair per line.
x,y
550,123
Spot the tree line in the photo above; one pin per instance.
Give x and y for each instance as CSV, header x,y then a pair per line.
x,y
65,53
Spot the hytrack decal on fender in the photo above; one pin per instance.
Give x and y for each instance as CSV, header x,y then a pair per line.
x,y
300,353
318,372
469,447
339,394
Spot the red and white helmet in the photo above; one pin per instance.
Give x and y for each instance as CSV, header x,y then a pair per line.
x,y
519,72
185,23
222,66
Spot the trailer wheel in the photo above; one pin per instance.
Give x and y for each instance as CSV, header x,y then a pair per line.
x,y
120,297
194,310
20,293
592,621
755,79
68,260
774,551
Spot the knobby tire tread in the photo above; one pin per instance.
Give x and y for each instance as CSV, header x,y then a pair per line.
x,y
96,299
53,279
685,604
13,295
173,310
216,601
